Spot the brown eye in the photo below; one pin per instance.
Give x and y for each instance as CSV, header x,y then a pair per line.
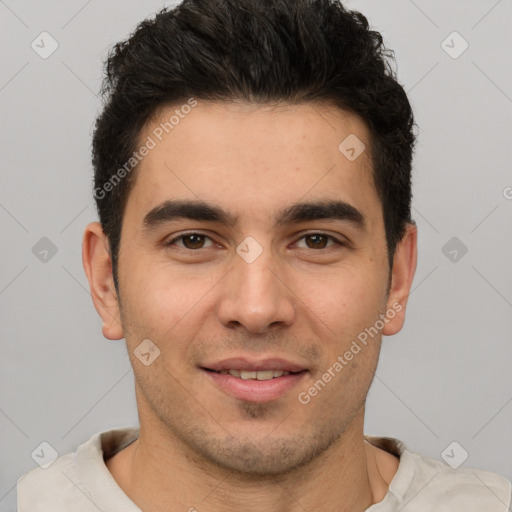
x,y
319,241
191,241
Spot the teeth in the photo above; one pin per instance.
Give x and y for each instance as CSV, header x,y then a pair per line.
x,y
260,375
265,375
247,375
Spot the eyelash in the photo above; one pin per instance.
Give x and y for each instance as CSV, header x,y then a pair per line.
x,y
183,235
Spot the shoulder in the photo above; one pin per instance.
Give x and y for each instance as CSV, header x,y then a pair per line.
x,y
51,488
426,484
76,481
437,486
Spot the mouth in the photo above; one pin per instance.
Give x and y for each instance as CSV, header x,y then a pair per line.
x,y
254,375
255,381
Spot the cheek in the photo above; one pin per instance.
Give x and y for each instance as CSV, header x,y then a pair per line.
x,y
350,387
165,306
156,292
344,303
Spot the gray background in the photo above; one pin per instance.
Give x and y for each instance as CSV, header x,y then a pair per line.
x,y
446,377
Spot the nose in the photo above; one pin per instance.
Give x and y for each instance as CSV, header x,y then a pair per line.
x,y
255,296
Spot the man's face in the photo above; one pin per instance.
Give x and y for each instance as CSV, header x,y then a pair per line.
x,y
255,294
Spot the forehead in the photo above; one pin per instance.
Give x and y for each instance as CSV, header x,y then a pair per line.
x,y
252,159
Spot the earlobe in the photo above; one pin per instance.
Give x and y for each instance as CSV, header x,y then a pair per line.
x,y
98,268
404,267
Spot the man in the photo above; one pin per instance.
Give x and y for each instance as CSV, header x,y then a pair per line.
x,y
253,182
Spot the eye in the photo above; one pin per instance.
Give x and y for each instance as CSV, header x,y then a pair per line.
x,y
191,241
194,241
319,240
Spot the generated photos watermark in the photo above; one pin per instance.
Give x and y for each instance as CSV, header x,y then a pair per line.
x,y
304,397
151,142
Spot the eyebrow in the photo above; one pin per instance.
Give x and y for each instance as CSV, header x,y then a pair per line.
x,y
336,210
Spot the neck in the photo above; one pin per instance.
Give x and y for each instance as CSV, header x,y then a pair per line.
x,y
157,470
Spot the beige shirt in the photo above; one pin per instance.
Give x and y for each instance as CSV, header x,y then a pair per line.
x,y
81,482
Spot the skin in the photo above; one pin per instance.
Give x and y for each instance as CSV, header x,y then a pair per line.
x,y
198,446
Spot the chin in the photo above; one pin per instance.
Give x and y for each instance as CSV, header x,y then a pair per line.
x,y
265,457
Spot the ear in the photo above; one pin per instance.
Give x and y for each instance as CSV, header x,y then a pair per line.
x,y
98,267
402,274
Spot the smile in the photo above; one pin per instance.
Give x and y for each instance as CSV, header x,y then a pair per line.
x,y
257,375
260,385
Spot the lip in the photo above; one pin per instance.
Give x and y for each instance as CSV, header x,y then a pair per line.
x,y
253,390
254,365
